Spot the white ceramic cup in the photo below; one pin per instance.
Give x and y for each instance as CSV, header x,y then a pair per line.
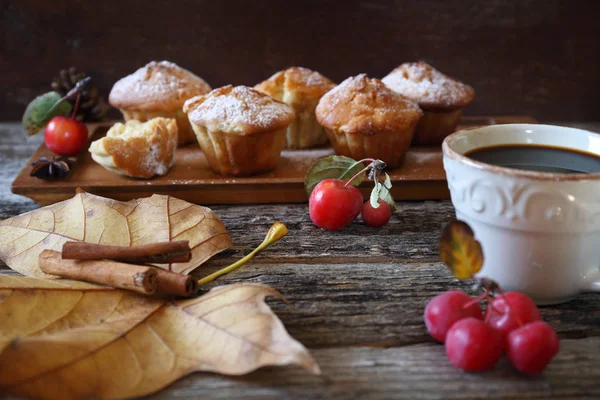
x,y
540,231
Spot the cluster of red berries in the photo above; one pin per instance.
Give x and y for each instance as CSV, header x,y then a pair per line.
x,y
512,325
334,203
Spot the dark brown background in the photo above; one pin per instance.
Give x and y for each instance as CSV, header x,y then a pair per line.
x,y
538,57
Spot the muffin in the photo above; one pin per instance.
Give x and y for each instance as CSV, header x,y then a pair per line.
x,y
158,89
441,98
301,89
240,130
364,118
138,149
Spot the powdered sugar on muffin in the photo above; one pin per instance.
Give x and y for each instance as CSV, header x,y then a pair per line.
x,y
301,89
157,86
363,118
429,87
364,105
296,86
241,110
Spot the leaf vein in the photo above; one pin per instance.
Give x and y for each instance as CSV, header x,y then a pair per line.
x,y
241,338
182,210
27,248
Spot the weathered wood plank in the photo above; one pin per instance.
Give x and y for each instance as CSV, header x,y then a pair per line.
x,y
378,304
412,233
413,372
15,149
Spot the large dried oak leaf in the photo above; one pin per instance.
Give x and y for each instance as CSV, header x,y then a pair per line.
x,y
95,219
69,340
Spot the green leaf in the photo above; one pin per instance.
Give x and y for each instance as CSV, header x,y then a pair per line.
x,y
386,196
42,109
375,193
333,167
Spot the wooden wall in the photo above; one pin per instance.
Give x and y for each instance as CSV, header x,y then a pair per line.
x,y
536,57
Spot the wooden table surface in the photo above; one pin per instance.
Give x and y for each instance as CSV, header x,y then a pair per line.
x,y
358,297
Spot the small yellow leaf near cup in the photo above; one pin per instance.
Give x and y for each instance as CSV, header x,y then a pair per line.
x,y
460,251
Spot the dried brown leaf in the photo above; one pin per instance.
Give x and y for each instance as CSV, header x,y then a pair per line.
x,y
70,340
95,219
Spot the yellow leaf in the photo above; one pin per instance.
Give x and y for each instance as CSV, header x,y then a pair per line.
x,y
460,251
68,340
95,219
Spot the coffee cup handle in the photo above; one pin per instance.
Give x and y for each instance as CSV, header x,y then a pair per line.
x,y
591,281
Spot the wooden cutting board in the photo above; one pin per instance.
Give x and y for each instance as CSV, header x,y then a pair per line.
x,y
421,177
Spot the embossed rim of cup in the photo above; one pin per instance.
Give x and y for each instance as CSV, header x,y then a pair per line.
x,y
530,134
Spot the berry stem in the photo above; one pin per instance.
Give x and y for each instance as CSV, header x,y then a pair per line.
x,y
75,90
493,308
488,310
488,313
364,160
475,300
277,231
370,160
76,105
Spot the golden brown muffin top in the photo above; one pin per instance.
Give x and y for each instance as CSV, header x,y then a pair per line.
x,y
367,106
429,87
158,86
240,110
296,86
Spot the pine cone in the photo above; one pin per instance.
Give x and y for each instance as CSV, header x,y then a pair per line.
x,y
92,106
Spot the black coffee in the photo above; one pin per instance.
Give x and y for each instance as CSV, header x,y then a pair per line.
x,y
538,158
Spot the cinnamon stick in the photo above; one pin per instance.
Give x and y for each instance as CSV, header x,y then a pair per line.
x,y
155,253
175,284
137,278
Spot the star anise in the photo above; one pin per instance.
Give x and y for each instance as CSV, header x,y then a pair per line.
x,y
53,168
